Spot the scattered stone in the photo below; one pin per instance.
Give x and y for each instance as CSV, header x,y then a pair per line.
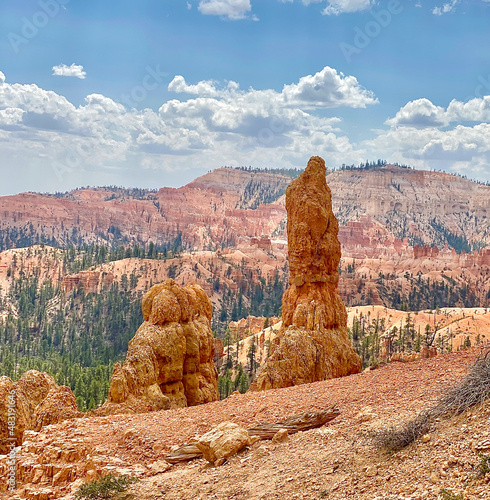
x,y
159,466
425,438
483,445
434,477
91,475
223,441
158,447
129,434
280,436
365,415
371,471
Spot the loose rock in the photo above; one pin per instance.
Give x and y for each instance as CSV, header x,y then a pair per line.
x,y
223,441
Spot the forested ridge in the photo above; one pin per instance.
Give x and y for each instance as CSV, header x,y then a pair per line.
x,y
75,337
78,336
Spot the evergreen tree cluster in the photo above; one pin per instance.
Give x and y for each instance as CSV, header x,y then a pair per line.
x,y
368,165
257,192
255,297
424,293
367,334
75,337
85,256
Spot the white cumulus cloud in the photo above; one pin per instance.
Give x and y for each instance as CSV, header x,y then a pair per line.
x,y
75,70
476,110
421,134
229,9
328,89
422,113
325,89
336,7
56,145
208,124
10,116
446,8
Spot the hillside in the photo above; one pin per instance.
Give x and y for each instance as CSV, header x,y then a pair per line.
x,y
377,333
215,210
428,208
336,461
75,325
382,207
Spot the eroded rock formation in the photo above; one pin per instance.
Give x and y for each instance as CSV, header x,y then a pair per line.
x,y
90,281
170,359
312,344
30,403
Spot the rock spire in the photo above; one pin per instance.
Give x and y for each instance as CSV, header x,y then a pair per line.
x,y
313,343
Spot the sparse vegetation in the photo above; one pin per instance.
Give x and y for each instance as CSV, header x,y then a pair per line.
x,y
473,390
449,495
483,466
395,438
104,488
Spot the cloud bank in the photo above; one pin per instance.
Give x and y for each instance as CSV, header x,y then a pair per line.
x,y
207,124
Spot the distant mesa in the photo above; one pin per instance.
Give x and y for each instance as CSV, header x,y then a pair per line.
x,y
312,343
169,363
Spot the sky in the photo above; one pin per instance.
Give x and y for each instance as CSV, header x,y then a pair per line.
x,y
154,93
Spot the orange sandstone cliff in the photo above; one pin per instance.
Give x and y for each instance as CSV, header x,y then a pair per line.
x,y
312,344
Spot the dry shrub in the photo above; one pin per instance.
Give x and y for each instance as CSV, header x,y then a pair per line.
x,y
395,438
483,466
473,390
449,495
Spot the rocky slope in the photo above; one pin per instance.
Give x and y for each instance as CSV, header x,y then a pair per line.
x,y
32,402
412,278
215,210
337,461
450,329
427,207
389,219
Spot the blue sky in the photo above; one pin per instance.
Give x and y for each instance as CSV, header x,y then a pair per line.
x,y
156,92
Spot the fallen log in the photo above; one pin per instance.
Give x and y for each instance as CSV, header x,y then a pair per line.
x,y
295,423
265,430
183,454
